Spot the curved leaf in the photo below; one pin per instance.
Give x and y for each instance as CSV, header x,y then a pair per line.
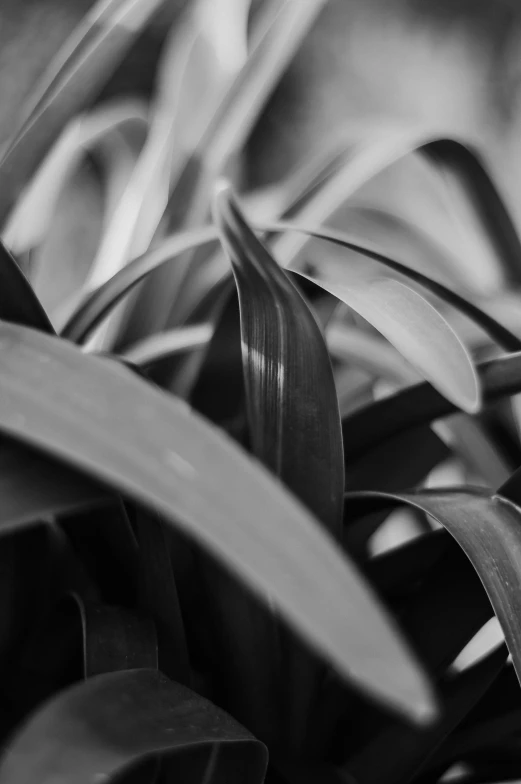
x,y
80,69
504,337
104,420
488,529
101,727
97,304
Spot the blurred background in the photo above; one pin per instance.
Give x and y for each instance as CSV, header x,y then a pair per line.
x,y
453,65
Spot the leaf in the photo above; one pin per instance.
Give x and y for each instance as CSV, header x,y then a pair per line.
x,y
488,529
417,405
101,727
77,74
97,304
104,420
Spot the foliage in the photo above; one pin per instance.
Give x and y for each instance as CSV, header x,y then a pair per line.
x,y
226,554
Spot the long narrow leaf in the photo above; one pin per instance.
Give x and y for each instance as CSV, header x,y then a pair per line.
x,y
104,420
103,726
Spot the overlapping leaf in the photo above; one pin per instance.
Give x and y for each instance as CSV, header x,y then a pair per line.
x,y
488,528
104,420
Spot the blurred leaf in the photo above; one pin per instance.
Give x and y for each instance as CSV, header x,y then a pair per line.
x,y
103,419
488,529
32,215
72,81
110,722
168,344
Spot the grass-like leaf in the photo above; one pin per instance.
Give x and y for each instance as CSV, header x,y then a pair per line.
x,y
79,71
488,529
110,722
102,419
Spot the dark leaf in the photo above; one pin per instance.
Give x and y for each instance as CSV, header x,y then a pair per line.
x,y
18,302
110,722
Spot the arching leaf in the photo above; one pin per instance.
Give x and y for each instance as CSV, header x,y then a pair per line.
x,y
104,420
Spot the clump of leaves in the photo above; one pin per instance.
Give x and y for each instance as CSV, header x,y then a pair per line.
x,y
207,450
